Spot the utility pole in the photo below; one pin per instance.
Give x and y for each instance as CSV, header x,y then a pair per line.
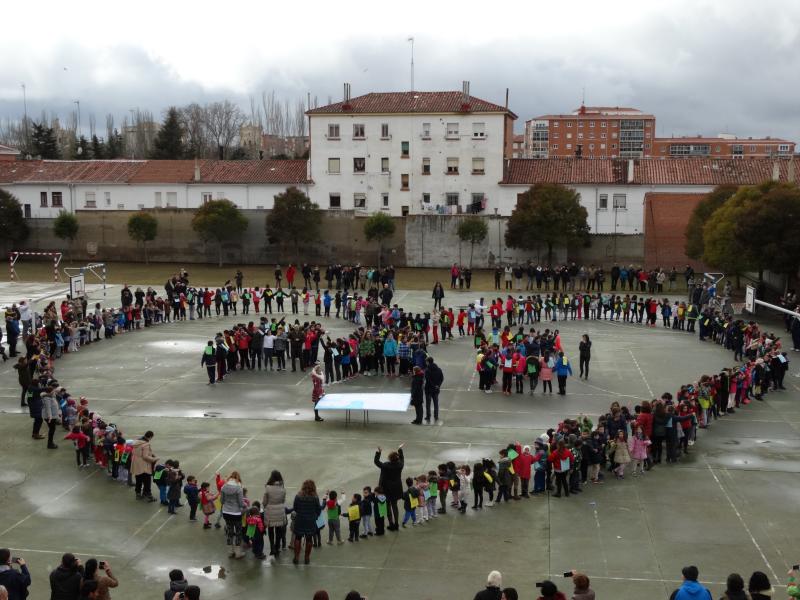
x,y
25,118
78,132
411,39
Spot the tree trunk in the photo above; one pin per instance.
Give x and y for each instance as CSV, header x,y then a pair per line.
x,y
471,251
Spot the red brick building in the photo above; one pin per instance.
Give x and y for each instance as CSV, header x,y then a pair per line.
x,y
592,132
722,146
8,153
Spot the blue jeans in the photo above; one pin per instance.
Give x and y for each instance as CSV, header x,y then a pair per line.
x,y
539,478
410,514
162,494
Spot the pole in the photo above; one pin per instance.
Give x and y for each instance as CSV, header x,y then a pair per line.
x,y
25,118
411,39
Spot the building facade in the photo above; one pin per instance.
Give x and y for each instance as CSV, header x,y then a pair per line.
x,y
409,153
722,146
591,132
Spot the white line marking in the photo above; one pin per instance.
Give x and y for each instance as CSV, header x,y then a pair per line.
x,y
62,552
55,499
232,456
216,456
742,521
636,362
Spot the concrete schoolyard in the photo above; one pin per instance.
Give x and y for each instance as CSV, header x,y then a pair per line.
x,y
730,506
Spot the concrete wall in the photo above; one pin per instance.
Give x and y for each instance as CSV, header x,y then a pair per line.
x,y
606,249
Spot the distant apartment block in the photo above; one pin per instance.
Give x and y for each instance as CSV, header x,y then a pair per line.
x,y
722,146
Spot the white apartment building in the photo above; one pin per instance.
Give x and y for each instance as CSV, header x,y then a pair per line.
x,y
409,153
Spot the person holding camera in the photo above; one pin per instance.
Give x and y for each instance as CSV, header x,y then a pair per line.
x,y
192,592
93,571
15,582
549,591
65,580
582,590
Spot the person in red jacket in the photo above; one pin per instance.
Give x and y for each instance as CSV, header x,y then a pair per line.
x,y
522,469
82,446
290,272
562,460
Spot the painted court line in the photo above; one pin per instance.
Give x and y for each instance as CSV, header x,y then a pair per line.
x,y
216,456
78,552
55,499
232,456
636,362
742,521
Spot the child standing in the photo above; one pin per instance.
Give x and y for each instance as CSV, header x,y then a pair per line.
x,y
192,493
174,477
81,442
381,507
354,517
444,486
424,495
410,502
477,485
366,507
620,453
334,513
464,484
433,489
637,446
207,498
255,530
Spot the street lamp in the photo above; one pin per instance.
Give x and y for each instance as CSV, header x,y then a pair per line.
x,y
80,149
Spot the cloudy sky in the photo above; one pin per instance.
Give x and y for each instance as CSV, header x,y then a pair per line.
x,y
700,66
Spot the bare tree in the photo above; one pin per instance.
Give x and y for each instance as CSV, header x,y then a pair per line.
x,y
223,120
300,118
193,120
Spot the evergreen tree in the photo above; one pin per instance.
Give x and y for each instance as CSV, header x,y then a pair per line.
x,y
168,144
82,149
13,228
43,140
294,218
115,145
379,227
98,148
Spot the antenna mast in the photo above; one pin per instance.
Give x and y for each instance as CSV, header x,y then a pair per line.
x,y
411,39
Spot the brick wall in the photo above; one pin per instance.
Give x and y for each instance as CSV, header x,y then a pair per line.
x,y
665,218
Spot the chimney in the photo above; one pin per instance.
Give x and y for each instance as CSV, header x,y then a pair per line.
x,y
790,172
465,100
506,98
631,162
776,171
196,171
346,100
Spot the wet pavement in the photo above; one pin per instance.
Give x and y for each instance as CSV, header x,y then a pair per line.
x,y
729,506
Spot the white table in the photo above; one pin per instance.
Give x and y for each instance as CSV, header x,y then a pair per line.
x,y
365,401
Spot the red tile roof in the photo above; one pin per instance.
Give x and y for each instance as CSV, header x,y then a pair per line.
x,y
527,171
648,171
69,171
410,102
711,139
154,171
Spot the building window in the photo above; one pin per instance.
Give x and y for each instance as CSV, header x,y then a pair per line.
x,y
334,201
752,148
334,166
647,146
360,201
108,198
477,203
120,206
426,198
591,146
479,130
580,136
359,165
57,199
27,211
737,149
717,148
426,131
385,131
554,146
783,148
172,199
426,166
90,200
404,149
385,164
569,136
452,166
620,201
385,200
452,130
478,166
580,124
602,146
43,199
555,136
404,181
208,197
613,146
602,136
602,202
452,199
602,124
555,123
358,131
569,123
614,135
333,131
591,124
157,196
569,146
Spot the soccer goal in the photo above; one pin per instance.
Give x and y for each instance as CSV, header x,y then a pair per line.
x,y
15,255
77,277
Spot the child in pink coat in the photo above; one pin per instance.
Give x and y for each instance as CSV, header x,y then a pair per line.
x,y
638,449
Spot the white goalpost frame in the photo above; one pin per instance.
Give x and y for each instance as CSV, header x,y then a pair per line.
x,y
751,302
14,256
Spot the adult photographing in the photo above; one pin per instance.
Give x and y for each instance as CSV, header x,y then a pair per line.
x,y
100,572
232,498
274,505
307,509
15,581
433,382
391,480
66,578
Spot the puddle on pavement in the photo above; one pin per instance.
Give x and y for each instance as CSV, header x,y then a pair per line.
x,y
210,572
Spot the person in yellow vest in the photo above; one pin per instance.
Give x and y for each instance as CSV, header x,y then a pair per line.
x,y
563,370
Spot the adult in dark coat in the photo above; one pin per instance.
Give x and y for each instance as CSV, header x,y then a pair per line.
x,y
434,378
35,409
15,581
417,389
493,589
307,509
391,480
65,580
